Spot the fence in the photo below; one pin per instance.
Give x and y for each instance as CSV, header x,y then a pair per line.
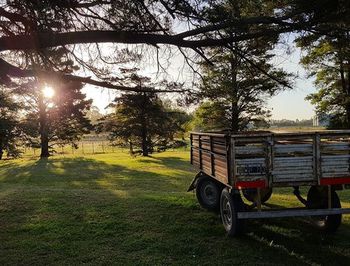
x,y
86,147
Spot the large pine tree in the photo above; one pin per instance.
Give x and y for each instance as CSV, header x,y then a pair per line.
x,y
242,76
60,119
141,120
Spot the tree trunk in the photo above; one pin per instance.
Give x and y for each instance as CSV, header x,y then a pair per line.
x,y
144,131
44,146
1,149
144,140
345,88
131,150
234,95
235,125
43,129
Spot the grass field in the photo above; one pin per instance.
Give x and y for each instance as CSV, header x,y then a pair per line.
x,y
114,209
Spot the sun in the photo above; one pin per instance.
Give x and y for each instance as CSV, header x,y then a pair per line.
x,y
48,92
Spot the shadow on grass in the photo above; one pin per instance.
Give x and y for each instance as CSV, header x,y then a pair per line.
x,y
80,210
299,236
58,209
173,162
90,173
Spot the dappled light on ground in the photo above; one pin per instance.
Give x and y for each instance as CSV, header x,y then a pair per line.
x,y
114,209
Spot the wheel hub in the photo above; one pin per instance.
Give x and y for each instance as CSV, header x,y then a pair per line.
x,y
210,193
227,215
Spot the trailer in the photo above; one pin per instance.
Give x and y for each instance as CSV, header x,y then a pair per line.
x,y
232,166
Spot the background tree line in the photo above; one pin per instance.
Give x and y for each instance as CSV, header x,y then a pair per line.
x,y
30,117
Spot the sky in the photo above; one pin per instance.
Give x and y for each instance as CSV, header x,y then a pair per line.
x,y
289,104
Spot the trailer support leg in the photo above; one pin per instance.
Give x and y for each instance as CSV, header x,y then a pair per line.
x,y
258,199
296,192
329,197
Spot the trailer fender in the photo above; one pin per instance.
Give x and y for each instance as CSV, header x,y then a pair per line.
x,y
193,184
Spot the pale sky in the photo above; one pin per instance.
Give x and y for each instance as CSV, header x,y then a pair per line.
x,y
289,104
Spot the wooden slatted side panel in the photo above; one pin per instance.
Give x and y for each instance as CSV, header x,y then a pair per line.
x,y
221,171
206,162
219,146
288,149
335,166
195,157
250,158
335,156
294,159
208,154
196,151
293,169
254,150
282,159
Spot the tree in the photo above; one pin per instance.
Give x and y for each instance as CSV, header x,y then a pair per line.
x,y
180,124
94,115
56,107
10,130
210,116
59,119
242,77
141,120
327,58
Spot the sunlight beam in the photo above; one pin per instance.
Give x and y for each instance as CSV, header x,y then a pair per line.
x,y
48,92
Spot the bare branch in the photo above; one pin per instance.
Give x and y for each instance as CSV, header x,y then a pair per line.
x,y
8,69
45,40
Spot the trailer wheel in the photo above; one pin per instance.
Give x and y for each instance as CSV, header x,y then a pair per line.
x,y
251,194
230,204
317,198
208,193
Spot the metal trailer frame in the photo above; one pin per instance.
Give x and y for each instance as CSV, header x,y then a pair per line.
x,y
276,160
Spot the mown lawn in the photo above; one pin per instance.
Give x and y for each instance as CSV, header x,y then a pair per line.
x,y
114,209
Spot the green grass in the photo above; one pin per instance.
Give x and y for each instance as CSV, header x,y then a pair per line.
x,y
114,209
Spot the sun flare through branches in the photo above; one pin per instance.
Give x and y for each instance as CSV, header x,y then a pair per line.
x,y
48,92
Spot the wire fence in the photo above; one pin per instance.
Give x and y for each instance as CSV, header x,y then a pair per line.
x,y
86,147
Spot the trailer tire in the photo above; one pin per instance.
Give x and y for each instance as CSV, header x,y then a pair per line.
x,y
317,198
251,194
208,192
230,204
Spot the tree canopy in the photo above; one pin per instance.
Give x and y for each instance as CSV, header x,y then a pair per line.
x,y
242,76
142,120
58,119
71,24
327,58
